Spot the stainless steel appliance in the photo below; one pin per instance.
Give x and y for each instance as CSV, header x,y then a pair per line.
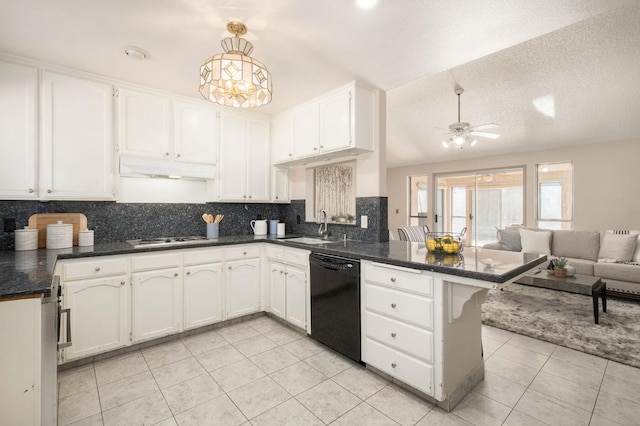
x,y
166,241
51,316
335,303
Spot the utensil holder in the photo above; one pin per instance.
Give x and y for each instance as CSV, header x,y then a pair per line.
x,y
213,230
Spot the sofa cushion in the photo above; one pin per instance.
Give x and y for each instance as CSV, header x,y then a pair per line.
x,y
618,247
617,271
535,241
583,266
636,255
576,244
509,240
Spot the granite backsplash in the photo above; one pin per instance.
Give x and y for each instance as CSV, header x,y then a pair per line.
x,y
114,222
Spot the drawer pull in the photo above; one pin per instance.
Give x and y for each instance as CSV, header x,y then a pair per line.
x,y
393,365
189,273
393,280
97,269
393,305
175,275
393,334
121,282
244,253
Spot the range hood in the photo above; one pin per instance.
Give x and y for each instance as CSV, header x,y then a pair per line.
x,y
151,168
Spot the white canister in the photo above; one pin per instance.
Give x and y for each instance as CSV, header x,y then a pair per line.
x,y
280,230
85,238
59,235
26,239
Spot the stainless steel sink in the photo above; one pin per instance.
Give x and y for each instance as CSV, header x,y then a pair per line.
x,y
308,240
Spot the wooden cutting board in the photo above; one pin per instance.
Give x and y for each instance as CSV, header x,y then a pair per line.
x,y
41,220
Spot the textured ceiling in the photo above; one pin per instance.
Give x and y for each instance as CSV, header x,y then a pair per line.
x,y
581,54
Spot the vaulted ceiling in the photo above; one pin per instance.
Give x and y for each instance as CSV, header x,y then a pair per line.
x,y
550,72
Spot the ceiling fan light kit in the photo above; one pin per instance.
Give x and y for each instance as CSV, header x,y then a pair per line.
x,y
234,78
461,132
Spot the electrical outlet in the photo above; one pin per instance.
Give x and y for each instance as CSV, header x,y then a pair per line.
x,y
9,224
364,221
298,219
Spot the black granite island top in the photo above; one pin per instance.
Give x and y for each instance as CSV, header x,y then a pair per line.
x,y
30,272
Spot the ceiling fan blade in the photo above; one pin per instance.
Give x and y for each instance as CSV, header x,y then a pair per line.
x,y
485,135
485,126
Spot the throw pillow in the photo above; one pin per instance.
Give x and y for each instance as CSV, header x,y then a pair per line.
x,y
617,247
535,241
576,244
509,240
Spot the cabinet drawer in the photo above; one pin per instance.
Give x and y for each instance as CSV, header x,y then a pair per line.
x,y
243,252
144,262
402,278
408,307
296,257
200,256
412,371
73,270
412,340
273,252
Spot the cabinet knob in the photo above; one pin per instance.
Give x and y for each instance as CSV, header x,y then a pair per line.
x,y
249,196
189,273
393,305
315,148
393,280
30,190
393,334
166,154
244,253
229,267
121,282
175,275
49,191
97,269
321,146
276,197
394,365
244,196
290,155
178,156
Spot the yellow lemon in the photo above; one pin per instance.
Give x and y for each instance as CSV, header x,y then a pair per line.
x,y
431,244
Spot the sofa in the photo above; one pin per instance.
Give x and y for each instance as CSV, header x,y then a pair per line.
x,y
613,255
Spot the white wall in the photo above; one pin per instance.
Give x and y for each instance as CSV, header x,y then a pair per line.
x,y
606,183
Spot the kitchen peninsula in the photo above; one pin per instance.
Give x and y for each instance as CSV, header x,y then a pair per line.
x,y
404,289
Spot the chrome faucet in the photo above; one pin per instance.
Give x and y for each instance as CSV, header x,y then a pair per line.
x,y
323,230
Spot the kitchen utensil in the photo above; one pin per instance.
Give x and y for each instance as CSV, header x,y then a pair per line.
x,y
40,221
205,217
259,227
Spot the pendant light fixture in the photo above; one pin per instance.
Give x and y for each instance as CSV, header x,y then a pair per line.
x,y
234,78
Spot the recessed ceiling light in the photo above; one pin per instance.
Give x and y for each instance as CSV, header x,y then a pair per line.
x,y
136,52
366,4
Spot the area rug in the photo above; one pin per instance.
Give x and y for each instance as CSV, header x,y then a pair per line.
x,y
566,319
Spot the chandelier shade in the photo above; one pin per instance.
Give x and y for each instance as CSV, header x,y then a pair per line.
x,y
234,78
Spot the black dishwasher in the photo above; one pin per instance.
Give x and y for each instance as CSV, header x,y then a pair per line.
x,y
335,303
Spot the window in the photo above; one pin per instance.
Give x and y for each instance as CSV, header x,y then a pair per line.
x,y
335,191
418,200
555,195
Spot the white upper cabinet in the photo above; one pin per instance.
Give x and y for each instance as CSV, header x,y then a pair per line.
x,y
282,138
306,131
338,124
18,128
280,185
76,150
196,132
144,124
244,172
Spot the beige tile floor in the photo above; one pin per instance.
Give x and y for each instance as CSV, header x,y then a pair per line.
x,y
260,372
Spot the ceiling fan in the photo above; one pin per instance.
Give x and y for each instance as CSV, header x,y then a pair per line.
x,y
462,132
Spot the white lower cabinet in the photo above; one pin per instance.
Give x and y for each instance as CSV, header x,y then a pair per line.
x,y
156,296
203,287
288,284
98,293
242,280
398,322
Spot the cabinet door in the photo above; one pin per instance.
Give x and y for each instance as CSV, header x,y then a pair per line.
x,y
77,145
258,164
296,296
203,294
335,121
196,133
18,129
156,303
280,184
232,164
277,289
306,131
99,315
242,281
144,124
282,139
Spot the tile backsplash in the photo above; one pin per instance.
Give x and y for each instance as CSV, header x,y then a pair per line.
x,y
114,222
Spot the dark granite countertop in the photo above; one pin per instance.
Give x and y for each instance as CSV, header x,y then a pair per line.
x,y
30,272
